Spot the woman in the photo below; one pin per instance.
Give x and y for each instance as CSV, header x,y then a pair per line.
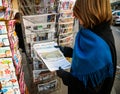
x,y
18,29
94,54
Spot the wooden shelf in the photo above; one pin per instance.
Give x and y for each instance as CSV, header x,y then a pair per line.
x,y
2,8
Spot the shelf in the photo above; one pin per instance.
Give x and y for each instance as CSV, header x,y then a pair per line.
x,y
2,8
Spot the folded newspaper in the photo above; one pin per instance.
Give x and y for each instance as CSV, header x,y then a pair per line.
x,y
51,56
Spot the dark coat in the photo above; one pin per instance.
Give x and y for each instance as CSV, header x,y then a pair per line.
x,y
76,86
18,29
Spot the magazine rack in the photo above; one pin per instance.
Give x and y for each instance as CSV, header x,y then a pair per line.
x,y
66,22
46,20
11,69
39,30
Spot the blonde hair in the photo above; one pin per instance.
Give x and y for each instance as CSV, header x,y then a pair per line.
x,y
92,12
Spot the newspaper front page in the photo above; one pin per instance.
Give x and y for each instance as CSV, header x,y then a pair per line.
x,y
51,56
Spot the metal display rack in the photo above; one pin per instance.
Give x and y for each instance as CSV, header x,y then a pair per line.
x,y
42,21
39,27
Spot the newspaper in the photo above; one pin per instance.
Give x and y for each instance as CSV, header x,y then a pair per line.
x,y
51,56
48,86
42,75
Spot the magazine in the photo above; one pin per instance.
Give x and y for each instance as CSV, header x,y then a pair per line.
x,y
51,56
38,64
10,90
1,3
42,27
42,75
2,15
51,85
66,14
6,63
66,25
45,6
5,52
3,29
46,18
69,19
65,31
66,5
4,40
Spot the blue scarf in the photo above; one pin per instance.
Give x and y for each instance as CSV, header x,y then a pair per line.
x,y
92,59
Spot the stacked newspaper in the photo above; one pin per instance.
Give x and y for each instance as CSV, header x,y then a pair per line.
x,y
51,56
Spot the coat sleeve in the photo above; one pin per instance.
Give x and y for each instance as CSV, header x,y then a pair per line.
x,y
69,80
68,51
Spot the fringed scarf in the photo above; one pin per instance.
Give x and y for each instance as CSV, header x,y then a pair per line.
x,y
92,59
